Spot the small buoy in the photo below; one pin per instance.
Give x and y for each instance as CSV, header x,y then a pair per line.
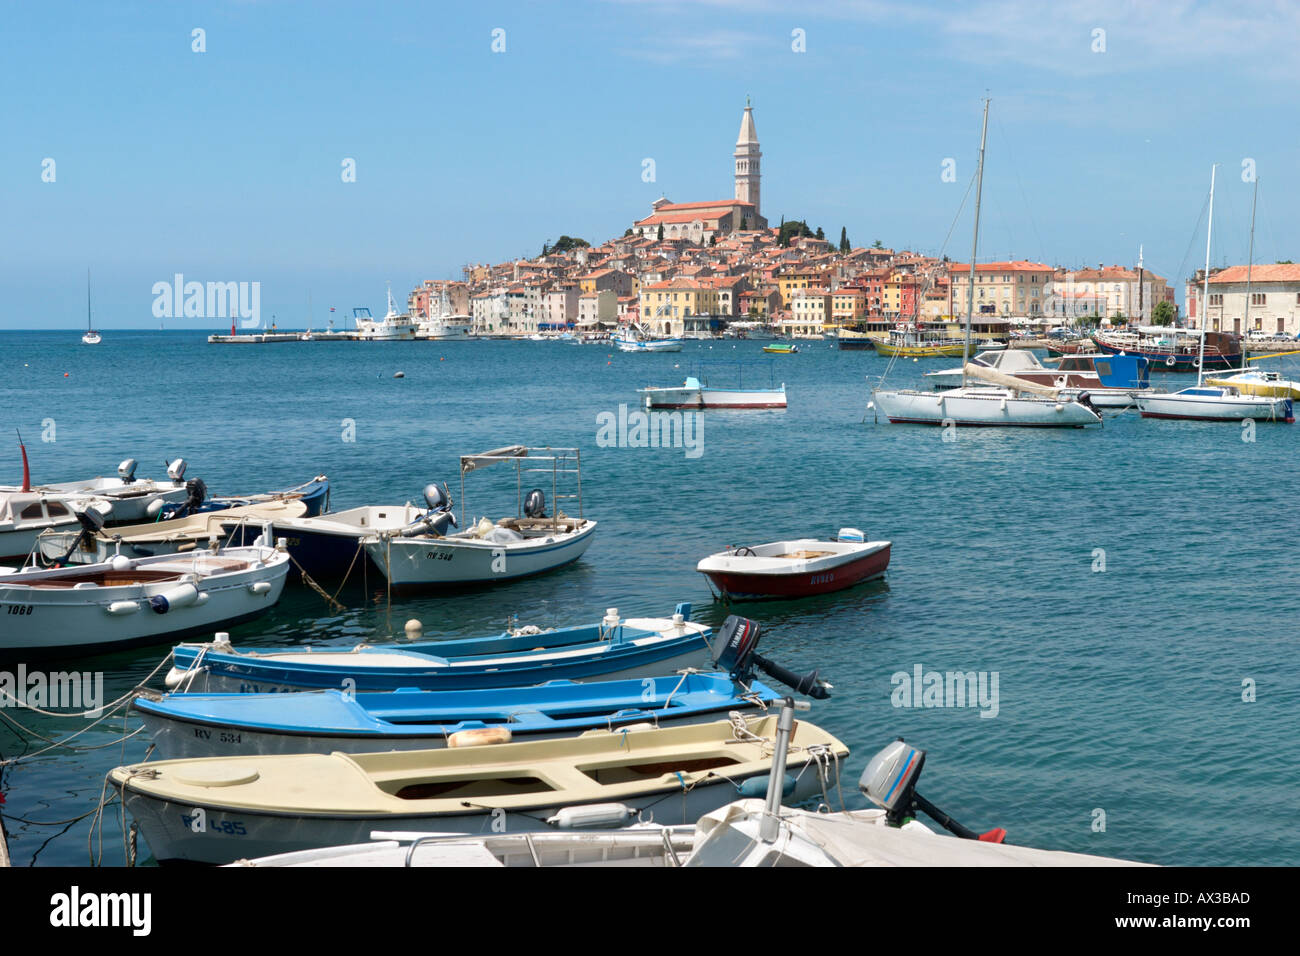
x,y
916,360
399,375
442,358
413,626
65,374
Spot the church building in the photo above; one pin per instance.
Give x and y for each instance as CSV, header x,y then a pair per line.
x,y
700,221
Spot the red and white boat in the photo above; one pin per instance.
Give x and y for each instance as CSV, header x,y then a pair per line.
x,y
798,568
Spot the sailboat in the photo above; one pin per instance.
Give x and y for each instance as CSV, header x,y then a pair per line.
x,y
1005,401
1217,402
91,337
1253,380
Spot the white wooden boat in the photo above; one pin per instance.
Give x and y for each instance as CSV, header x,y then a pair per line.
x,y
391,328
696,393
120,500
122,602
528,543
24,517
218,810
635,338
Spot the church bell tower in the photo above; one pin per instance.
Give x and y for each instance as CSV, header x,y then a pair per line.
x,y
747,160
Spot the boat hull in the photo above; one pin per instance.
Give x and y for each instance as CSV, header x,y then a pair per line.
x,y
706,397
1209,409
981,410
48,622
412,563
738,585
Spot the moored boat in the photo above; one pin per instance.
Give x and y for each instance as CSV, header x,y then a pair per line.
x,y
424,555
217,810
216,725
697,392
1111,381
613,649
93,608
796,568
782,348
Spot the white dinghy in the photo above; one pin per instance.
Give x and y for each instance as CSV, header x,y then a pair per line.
x,y
93,608
423,554
122,499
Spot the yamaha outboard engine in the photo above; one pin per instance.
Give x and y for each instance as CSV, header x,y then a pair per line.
x,y
196,494
439,517
736,654
890,783
126,471
176,470
535,504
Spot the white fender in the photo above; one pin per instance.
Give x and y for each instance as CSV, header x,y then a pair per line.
x,y
260,587
595,815
123,607
182,595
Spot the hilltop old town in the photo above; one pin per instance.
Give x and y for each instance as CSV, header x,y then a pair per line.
x,y
690,269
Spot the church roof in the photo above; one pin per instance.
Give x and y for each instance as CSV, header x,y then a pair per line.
x,y
748,135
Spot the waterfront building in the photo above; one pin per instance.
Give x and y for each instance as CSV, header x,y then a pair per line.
x,y
1274,307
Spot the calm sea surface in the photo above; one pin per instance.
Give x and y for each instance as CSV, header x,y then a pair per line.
x,y
1120,691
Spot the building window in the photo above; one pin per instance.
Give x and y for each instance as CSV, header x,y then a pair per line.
x,y
1257,298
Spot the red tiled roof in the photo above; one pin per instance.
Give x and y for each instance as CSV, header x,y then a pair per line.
x,y
1260,273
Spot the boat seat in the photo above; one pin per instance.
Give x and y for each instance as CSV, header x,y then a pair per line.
x,y
806,555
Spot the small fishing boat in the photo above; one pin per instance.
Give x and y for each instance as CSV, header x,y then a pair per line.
x,y
698,392
424,555
206,529
314,495
911,342
26,518
627,343
219,725
796,568
782,348
744,833
93,608
1019,404
614,649
122,499
854,341
217,810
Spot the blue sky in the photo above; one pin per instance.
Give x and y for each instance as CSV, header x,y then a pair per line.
x,y
225,165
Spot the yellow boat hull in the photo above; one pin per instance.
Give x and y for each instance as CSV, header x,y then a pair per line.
x,y
1266,389
921,351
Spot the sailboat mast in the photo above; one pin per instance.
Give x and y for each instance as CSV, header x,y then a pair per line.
x,y
974,246
1250,262
1205,294
89,327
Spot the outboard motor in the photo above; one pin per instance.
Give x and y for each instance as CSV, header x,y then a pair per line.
x,y
439,518
535,504
736,654
890,783
196,494
176,470
91,522
126,471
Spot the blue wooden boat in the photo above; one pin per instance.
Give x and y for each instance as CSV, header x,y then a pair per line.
x,y
614,649
219,725
315,494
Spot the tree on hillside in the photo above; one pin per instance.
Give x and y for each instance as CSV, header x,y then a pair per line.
x,y
566,243
820,234
546,248
1163,313
661,232
877,245
844,240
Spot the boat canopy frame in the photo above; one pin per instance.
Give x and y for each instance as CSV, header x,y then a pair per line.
x,y
556,462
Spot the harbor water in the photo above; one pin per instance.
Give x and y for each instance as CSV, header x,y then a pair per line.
x,y
1126,594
